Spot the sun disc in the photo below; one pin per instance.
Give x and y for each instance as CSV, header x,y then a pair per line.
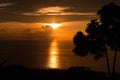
x,y
54,25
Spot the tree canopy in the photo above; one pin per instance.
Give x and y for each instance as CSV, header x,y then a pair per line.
x,y
101,34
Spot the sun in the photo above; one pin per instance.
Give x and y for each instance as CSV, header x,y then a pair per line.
x,y
53,25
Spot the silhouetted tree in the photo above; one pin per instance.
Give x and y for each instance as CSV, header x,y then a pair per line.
x,y
81,44
97,36
110,19
92,43
101,34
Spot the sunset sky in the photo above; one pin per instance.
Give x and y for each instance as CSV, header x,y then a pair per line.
x,y
26,19
34,33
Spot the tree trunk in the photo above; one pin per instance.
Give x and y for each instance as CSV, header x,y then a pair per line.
x,y
114,62
108,65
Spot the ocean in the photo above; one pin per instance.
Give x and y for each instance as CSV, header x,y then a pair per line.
x,y
45,54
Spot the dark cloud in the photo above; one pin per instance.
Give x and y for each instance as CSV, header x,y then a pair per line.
x,y
16,8
42,18
26,34
41,35
33,5
2,30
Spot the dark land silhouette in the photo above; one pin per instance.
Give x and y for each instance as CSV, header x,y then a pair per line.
x,y
18,72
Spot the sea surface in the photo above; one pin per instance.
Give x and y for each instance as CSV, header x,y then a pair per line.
x,y
45,54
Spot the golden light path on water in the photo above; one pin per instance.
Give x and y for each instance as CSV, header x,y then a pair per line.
x,y
53,55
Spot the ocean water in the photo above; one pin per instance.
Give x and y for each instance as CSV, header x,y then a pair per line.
x,y
46,54
37,54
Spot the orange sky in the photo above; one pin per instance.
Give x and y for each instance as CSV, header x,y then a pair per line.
x,y
15,30
24,19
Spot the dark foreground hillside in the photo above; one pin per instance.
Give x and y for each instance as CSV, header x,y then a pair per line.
x,y
15,72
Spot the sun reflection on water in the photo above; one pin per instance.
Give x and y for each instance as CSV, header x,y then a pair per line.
x,y
53,51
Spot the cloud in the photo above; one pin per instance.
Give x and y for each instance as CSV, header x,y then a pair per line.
x,y
2,30
44,18
29,34
5,4
25,34
34,10
52,10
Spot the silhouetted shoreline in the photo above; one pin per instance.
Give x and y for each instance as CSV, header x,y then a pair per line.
x,y
19,72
